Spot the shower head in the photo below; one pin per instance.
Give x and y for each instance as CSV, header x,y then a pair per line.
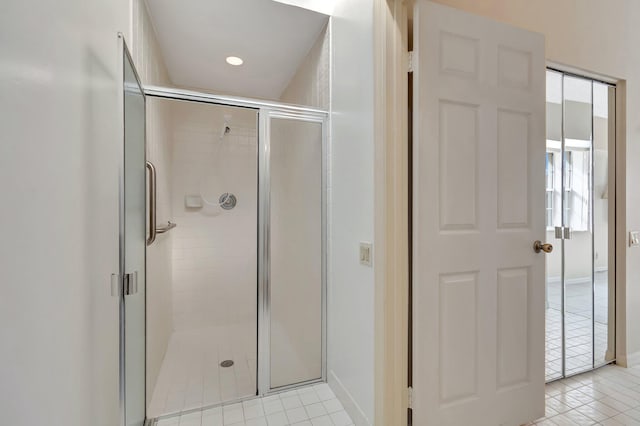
x,y
225,131
226,128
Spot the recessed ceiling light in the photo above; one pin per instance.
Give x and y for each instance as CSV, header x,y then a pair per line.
x,y
234,60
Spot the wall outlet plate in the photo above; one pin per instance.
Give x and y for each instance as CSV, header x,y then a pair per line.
x,y
366,254
634,238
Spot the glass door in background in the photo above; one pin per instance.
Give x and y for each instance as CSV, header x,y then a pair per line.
x,y
580,289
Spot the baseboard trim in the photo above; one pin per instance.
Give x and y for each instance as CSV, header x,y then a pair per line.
x,y
630,360
350,405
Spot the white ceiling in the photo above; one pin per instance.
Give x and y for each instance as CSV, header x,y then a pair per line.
x,y
272,38
323,6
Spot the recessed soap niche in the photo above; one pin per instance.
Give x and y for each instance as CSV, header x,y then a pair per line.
x,y
193,201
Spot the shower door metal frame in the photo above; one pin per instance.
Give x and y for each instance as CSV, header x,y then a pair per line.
x,y
267,110
264,293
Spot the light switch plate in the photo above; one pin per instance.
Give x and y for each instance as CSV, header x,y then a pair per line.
x,y
634,238
366,254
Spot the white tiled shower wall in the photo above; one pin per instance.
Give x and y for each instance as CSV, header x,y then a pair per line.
x,y
310,84
214,250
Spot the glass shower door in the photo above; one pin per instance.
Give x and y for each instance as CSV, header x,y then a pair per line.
x,y
133,250
296,250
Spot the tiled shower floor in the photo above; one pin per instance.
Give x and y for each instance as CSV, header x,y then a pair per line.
x,y
191,376
308,406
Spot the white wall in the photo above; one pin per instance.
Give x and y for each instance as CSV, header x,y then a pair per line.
x,y
598,37
351,285
215,250
59,160
149,63
343,76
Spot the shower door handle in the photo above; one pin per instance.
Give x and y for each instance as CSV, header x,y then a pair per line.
x,y
152,203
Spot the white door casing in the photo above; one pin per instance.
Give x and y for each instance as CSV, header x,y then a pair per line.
x,y
478,285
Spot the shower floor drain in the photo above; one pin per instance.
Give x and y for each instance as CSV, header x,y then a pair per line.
x,y
226,363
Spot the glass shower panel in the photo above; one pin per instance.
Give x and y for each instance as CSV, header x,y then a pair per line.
x,y
577,219
134,235
553,208
296,251
604,289
208,186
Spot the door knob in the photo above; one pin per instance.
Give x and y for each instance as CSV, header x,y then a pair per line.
x,y
538,247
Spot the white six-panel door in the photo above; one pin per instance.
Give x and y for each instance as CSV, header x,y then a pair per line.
x,y
479,144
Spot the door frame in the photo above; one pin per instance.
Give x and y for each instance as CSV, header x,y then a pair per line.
x,y
620,233
392,324
617,209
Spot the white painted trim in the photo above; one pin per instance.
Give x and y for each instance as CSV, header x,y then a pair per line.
x,y
348,402
619,255
391,212
628,361
580,71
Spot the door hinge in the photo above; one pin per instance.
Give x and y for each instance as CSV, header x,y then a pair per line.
x,y
410,64
130,283
115,285
410,397
124,285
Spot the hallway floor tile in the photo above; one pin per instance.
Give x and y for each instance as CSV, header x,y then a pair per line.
x,y
314,405
609,396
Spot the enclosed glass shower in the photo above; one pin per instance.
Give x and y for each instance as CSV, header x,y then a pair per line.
x,y
246,190
580,219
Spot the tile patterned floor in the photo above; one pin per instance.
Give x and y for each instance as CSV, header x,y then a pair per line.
x,y
191,376
581,339
308,406
609,396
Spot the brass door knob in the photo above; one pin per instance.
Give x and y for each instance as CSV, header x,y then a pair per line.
x,y
538,247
